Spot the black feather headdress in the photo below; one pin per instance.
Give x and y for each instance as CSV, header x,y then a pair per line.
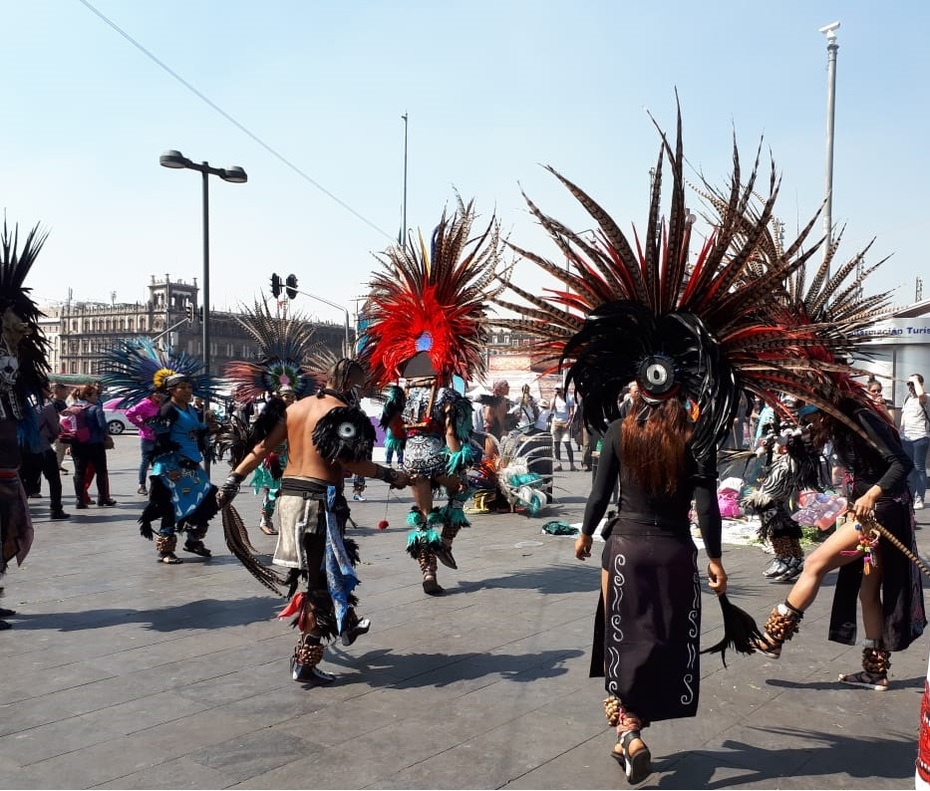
x,y
702,328
23,346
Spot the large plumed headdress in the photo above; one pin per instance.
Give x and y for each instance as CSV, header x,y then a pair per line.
x,y
286,356
136,368
23,347
733,318
430,303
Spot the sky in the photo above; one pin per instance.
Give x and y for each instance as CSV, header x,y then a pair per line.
x,y
308,98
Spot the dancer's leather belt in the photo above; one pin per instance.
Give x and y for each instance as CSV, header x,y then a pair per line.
x,y
308,488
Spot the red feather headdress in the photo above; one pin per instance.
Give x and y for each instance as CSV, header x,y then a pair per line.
x,y
432,300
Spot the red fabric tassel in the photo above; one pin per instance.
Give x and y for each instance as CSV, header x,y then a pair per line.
x,y
294,606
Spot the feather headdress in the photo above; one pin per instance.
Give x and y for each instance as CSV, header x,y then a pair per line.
x,y
285,345
703,328
431,300
136,368
24,349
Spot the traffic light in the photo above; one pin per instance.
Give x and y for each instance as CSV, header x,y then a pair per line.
x,y
200,314
291,286
190,313
276,285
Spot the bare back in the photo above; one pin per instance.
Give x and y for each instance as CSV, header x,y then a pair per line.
x,y
303,459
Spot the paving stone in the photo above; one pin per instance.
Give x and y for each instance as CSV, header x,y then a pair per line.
x,y
143,676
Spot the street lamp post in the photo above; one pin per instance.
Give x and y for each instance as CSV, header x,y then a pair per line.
x,y
235,175
832,47
347,344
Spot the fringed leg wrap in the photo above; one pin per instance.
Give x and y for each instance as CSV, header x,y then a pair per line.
x,y
308,653
619,717
453,520
782,546
424,534
876,661
427,560
782,625
165,546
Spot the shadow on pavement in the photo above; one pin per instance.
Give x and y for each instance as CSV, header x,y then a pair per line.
x,y
412,670
201,614
824,755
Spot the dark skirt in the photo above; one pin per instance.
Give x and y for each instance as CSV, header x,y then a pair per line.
x,y
903,616
647,643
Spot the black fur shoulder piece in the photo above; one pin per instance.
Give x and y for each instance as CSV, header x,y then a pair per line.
x,y
344,434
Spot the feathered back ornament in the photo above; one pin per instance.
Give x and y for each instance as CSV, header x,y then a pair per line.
x,y
431,300
136,368
284,342
702,328
24,348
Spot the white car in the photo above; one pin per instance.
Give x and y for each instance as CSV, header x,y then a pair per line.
x,y
116,417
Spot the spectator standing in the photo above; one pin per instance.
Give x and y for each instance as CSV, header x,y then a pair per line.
x,y
494,416
139,414
526,410
93,452
42,459
915,435
563,411
59,399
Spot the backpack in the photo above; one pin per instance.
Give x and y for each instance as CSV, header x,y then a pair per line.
x,y
74,428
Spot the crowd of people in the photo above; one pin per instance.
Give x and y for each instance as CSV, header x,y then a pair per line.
x,y
663,367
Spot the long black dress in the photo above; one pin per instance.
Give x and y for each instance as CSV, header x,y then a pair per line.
x,y
883,462
647,633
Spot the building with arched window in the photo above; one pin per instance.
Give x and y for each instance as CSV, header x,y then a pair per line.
x,y
80,332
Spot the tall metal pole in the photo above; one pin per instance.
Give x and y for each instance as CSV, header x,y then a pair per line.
x,y
205,320
403,230
832,47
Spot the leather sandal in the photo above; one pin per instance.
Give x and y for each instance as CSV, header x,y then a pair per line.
x,y
637,766
169,558
766,646
877,682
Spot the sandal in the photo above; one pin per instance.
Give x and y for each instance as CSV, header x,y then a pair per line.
x,y
637,766
197,548
877,682
169,558
268,531
766,646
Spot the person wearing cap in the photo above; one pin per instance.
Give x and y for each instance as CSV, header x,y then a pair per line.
x,y
181,497
915,436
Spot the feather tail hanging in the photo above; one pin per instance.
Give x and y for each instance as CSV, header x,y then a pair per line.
x,y
740,631
237,539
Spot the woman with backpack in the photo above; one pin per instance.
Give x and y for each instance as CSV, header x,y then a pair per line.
x,y
88,445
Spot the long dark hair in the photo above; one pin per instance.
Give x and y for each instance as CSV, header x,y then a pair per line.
x,y
654,444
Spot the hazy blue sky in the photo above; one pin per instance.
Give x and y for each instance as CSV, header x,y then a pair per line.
x,y
493,90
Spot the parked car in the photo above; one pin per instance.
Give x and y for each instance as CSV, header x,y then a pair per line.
x,y
116,417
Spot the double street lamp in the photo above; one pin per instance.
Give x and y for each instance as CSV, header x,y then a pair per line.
x,y
236,175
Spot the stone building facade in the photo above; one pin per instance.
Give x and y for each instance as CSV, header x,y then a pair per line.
x,y
80,332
